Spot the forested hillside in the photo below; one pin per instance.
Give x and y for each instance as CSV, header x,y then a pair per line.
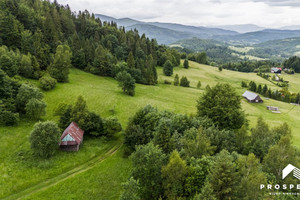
x,y
42,40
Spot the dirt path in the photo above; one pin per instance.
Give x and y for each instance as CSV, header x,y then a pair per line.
x,y
62,177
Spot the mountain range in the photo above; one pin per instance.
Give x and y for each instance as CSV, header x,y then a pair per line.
x,y
244,34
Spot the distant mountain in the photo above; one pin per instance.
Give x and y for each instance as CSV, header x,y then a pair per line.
x,y
259,36
167,33
242,28
162,35
295,27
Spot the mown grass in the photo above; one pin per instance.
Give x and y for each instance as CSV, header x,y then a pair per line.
x,y
19,169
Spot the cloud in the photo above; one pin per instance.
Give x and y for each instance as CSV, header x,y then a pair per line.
x,y
267,13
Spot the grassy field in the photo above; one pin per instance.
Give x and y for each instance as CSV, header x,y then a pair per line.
x,y
20,171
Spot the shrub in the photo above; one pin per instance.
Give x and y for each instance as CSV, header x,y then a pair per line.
x,y
176,80
44,139
35,108
47,82
184,82
186,64
111,126
167,82
8,118
199,85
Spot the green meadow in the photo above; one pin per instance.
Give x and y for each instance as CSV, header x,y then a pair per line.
x,y
98,169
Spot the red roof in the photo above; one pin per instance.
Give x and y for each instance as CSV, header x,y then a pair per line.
x,y
75,132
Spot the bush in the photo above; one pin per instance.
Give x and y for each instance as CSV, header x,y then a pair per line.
x,y
111,126
126,82
8,118
176,80
244,84
167,82
186,64
184,82
199,85
44,139
47,82
35,108
25,93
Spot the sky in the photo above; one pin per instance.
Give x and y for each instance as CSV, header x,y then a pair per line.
x,y
265,13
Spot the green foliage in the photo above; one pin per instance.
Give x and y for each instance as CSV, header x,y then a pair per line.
x,y
59,69
111,126
223,176
174,175
8,65
90,122
130,60
198,171
162,136
176,80
8,118
47,82
251,176
199,57
168,68
147,162
207,193
131,188
26,68
221,104
26,93
126,82
293,62
35,109
186,64
44,139
196,144
279,156
244,84
199,85
184,82
220,68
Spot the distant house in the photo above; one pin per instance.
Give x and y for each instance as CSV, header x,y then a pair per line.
x,y
71,138
276,70
252,97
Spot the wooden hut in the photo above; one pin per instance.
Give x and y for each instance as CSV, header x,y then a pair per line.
x,y
71,138
252,97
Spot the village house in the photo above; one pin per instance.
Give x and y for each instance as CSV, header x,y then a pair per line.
x,y
252,97
276,70
71,138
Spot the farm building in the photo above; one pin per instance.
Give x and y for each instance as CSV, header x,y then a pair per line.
x,y
276,70
71,138
272,108
252,97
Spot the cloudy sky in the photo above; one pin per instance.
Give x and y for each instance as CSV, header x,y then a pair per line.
x,y
266,13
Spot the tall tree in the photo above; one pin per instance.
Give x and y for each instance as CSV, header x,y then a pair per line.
x,y
59,69
168,68
147,162
130,60
174,175
221,104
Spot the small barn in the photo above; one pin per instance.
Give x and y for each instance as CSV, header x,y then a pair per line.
x,y
71,138
252,97
276,70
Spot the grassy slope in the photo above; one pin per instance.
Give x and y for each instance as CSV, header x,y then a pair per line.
x,y
18,169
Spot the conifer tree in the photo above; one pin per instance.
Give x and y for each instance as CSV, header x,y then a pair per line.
x,y
130,60
176,80
186,64
168,68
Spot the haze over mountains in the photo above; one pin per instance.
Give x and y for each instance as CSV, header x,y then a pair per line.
x,y
244,34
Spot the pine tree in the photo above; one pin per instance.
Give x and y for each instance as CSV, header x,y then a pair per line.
x,y
223,176
174,175
199,85
176,80
168,68
130,60
186,64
